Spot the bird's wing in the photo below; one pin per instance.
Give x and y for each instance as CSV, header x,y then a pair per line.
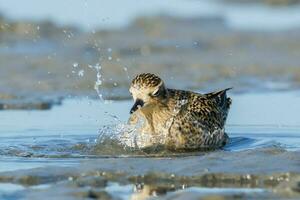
x,y
199,123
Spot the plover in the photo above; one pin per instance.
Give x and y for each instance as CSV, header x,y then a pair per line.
x,y
180,120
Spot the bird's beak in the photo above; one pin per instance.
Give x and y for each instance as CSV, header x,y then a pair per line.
x,y
138,103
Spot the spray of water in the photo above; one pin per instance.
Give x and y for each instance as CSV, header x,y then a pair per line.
x,y
98,81
126,71
121,135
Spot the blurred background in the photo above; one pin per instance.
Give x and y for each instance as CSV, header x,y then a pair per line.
x,y
71,52
55,49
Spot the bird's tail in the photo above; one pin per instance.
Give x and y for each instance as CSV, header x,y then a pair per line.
x,y
221,98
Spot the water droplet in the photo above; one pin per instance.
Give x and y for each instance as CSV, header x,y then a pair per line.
x,y
81,73
98,82
75,64
126,71
99,79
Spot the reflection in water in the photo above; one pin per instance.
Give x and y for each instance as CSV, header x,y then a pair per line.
x,y
142,192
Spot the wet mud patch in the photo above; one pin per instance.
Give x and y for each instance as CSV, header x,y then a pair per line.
x,y
29,102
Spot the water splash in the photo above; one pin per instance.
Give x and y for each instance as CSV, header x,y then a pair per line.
x,y
81,73
98,82
122,138
126,71
116,134
75,65
128,137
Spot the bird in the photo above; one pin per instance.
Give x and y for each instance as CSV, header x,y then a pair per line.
x,y
178,119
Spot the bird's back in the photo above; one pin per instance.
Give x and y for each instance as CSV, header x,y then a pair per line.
x,y
199,119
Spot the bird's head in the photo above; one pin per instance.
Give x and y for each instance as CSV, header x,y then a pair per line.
x,y
147,89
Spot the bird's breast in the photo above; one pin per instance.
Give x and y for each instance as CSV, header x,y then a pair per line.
x,y
162,119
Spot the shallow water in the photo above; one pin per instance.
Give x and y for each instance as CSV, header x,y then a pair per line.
x,y
264,128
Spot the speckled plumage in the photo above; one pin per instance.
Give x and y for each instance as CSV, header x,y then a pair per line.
x,y
146,80
180,119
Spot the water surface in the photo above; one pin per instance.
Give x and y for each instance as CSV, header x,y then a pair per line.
x,y
62,142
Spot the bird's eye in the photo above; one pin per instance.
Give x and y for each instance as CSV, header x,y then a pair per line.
x,y
156,93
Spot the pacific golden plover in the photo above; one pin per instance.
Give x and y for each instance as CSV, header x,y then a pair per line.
x,y
179,119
